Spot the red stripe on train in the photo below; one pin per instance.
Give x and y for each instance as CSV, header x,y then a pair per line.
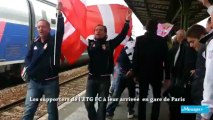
x,y
2,27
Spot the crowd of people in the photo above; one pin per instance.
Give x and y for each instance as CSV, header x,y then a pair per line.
x,y
185,70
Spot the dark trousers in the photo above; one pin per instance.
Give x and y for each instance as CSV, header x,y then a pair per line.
x,y
144,87
100,86
122,83
177,91
175,112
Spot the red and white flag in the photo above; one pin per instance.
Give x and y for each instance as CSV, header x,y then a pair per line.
x,y
75,12
75,38
73,44
164,29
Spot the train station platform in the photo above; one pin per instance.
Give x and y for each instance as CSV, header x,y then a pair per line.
x,y
77,111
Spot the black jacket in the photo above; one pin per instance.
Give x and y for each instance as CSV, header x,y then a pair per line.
x,y
124,62
180,71
197,83
40,62
185,62
150,57
101,53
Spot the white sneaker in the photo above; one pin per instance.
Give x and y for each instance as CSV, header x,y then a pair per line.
x,y
130,115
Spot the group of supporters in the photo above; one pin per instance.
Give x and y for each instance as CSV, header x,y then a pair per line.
x,y
183,69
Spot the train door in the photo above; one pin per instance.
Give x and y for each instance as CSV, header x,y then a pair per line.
x,y
44,9
14,30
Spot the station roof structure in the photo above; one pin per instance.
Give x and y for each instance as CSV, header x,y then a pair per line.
x,y
181,13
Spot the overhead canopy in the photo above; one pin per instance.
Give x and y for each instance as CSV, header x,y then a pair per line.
x,y
181,13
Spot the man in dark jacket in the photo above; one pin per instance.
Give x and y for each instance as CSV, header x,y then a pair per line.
x,y
194,34
101,67
42,71
149,61
183,60
124,79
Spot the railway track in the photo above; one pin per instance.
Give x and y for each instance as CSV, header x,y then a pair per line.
x,y
71,83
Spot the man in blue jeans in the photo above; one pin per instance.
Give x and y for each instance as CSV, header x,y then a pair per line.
x,y
124,79
42,72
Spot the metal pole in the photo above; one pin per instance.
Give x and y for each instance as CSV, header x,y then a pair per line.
x,y
55,36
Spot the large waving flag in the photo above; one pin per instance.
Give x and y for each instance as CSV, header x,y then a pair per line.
x,y
73,44
75,12
75,38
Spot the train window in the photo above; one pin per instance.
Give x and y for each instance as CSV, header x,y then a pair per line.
x,y
44,10
53,21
